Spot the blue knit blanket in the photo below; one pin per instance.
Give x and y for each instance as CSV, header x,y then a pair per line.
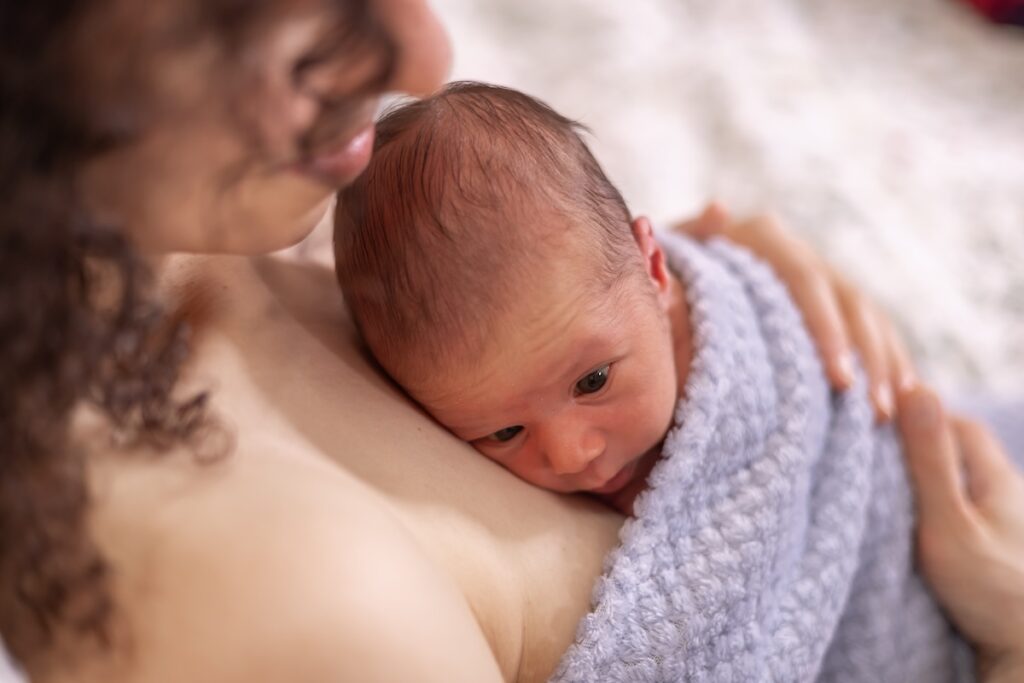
x,y
775,540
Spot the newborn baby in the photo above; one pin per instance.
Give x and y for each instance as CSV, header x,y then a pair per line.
x,y
511,293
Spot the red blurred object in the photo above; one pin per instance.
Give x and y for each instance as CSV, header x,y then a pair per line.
x,y
1002,11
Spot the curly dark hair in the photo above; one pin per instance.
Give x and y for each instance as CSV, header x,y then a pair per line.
x,y
80,329
77,328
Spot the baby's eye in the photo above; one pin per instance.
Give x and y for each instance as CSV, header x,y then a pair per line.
x,y
592,383
506,434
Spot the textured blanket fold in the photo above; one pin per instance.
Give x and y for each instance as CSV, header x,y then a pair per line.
x,y
775,540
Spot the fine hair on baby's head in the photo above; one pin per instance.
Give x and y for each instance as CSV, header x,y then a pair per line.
x,y
473,196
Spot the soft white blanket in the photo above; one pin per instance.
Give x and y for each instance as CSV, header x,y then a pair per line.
x,y
890,132
774,541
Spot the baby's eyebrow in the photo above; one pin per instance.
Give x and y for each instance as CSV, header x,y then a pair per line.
x,y
476,434
579,369
477,427
562,372
472,430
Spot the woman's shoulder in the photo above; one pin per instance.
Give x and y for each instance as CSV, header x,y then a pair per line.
x,y
251,569
329,454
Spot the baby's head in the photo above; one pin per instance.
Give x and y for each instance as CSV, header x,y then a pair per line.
x,y
496,274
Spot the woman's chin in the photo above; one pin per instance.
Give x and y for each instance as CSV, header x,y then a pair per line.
x,y
287,233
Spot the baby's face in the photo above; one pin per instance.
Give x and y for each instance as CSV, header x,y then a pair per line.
x,y
579,388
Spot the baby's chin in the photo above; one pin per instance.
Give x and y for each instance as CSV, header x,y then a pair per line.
x,y
622,495
620,481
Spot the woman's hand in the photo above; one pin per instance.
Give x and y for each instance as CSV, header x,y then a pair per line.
x,y
841,321
970,535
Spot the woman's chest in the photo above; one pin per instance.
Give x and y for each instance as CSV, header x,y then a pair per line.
x,y
293,378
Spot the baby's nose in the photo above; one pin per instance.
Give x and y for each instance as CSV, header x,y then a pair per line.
x,y
571,453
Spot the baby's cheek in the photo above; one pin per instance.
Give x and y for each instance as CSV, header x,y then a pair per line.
x,y
656,418
516,465
533,471
528,469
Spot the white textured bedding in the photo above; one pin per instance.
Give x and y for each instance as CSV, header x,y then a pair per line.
x,y
890,133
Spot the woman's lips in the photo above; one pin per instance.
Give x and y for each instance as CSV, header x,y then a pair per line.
x,y
340,165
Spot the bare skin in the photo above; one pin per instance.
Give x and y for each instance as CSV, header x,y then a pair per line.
x,y
682,349
477,593
339,530
635,338
970,534
206,552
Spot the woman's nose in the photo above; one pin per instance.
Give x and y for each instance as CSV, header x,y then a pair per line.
x,y
570,448
424,55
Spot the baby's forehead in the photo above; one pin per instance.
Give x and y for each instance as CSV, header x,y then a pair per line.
x,y
472,198
551,322
542,345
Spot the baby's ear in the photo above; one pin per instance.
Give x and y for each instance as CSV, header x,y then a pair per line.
x,y
652,255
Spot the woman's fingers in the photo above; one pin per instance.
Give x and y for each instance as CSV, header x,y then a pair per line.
x,y
822,312
880,347
838,318
902,374
970,527
810,284
933,459
983,563
869,338
987,468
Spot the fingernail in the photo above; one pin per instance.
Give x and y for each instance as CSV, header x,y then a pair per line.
x,y
884,400
907,382
844,366
923,412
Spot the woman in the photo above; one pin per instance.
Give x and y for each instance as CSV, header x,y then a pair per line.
x,y
304,523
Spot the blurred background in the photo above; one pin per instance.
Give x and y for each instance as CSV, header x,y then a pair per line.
x,y
889,134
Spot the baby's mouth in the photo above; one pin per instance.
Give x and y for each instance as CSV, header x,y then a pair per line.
x,y
617,482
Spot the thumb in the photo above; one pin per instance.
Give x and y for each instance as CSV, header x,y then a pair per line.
x,y
933,459
986,464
